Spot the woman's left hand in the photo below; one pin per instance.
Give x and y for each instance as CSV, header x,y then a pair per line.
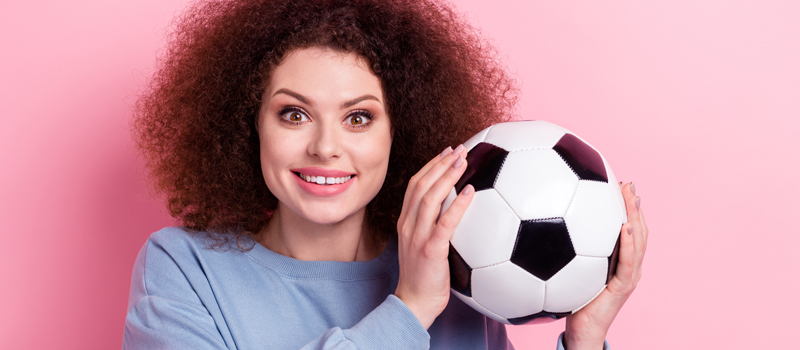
x,y
587,328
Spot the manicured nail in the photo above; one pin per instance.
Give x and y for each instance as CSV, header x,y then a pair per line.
x,y
633,188
459,149
630,229
458,162
467,190
620,183
447,151
638,202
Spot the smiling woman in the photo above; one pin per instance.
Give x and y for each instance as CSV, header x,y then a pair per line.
x,y
284,135
325,144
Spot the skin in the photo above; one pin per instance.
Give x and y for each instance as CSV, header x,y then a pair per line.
x,y
321,83
587,328
329,93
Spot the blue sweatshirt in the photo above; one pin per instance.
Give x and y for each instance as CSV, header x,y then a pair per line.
x,y
187,296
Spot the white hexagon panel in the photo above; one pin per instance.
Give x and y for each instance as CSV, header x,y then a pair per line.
x,y
508,290
525,135
537,184
480,241
576,284
593,219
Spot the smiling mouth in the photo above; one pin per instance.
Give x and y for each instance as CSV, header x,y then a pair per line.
x,y
322,180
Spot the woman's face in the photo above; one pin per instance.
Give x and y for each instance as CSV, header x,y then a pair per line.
x,y
325,134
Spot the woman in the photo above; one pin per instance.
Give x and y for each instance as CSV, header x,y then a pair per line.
x,y
285,135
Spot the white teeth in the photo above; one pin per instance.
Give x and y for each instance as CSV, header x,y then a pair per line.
x,y
322,180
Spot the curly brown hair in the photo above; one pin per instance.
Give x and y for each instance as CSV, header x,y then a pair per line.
x,y
195,122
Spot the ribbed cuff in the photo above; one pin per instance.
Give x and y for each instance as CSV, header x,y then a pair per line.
x,y
391,325
606,346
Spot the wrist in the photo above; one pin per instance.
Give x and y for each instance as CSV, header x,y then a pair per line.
x,y
571,341
422,313
582,332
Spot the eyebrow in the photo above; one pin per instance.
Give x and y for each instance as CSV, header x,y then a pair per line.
x,y
293,94
359,99
345,104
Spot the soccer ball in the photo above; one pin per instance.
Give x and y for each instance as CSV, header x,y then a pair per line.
x,y
540,239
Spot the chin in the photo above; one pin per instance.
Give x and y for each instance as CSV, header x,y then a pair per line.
x,y
327,217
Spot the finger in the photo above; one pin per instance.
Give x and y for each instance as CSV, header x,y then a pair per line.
x,y
431,203
413,181
451,217
635,217
425,182
630,202
645,231
640,241
626,263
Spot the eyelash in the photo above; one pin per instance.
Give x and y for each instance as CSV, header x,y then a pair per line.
x,y
356,113
285,110
361,113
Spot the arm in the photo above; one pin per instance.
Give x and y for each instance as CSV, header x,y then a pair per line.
x,y
389,326
173,306
167,312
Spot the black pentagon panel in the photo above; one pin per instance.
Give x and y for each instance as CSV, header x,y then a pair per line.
x,y
460,273
483,164
540,317
582,158
543,247
612,262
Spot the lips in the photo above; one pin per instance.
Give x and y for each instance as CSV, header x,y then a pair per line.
x,y
323,182
315,171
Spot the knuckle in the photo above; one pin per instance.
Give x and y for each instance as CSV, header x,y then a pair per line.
x,y
403,228
428,200
412,182
628,264
430,250
448,222
424,182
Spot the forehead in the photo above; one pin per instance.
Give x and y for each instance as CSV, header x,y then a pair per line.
x,y
325,73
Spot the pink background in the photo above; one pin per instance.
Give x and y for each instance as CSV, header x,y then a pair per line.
x,y
697,101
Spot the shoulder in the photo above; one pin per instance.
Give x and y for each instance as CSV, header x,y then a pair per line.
x,y
174,239
174,262
179,242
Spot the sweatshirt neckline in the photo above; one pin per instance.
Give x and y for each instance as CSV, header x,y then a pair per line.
x,y
334,270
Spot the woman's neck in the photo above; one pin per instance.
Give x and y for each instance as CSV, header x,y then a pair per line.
x,y
288,234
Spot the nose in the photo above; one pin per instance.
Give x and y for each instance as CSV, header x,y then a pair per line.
x,y
327,142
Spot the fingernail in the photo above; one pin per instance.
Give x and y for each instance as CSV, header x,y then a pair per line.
x,y
620,182
458,162
467,190
638,202
459,149
633,188
447,151
630,229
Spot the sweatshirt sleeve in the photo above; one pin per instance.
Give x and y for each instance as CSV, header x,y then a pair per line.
x,y
561,343
389,326
169,317
166,311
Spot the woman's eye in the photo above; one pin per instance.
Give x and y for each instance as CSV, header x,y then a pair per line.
x,y
361,119
295,116
356,120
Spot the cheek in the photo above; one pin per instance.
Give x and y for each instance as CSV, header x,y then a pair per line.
x,y
274,153
376,155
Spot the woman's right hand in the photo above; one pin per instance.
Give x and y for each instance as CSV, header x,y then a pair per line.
x,y
424,241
